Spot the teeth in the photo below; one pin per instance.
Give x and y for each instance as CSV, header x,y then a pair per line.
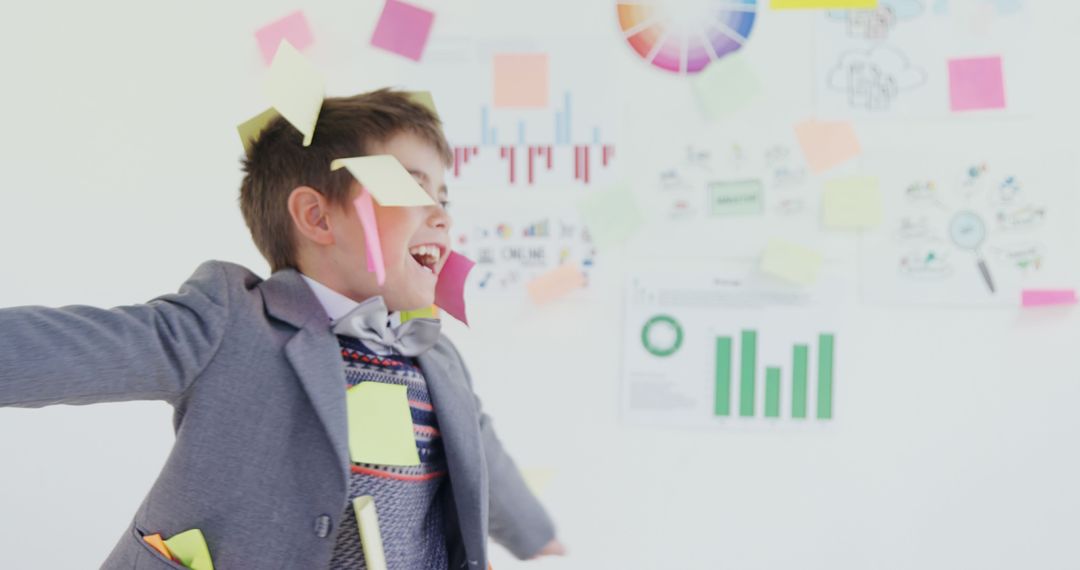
x,y
428,250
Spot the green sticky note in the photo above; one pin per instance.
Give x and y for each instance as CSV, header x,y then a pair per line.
x,y
386,179
367,522
791,262
189,547
380,425
612,216
736,197
726,86
295,89
431,312
851,203
251,129
423,98
823,4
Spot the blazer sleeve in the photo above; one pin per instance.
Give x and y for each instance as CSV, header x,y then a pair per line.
x,y
83,355
516,519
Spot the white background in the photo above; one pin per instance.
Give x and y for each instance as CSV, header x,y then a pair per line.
x,y
120,174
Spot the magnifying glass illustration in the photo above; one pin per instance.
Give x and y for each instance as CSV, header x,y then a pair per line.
x,y
968,231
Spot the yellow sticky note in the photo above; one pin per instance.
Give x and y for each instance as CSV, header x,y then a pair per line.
x,y
521,80
556,283
295,89
827,143
822,4
538,479
851,203
367,520
612,216
380,425
189,548
423,98
791,261
726,86
431,312
386,179
251,129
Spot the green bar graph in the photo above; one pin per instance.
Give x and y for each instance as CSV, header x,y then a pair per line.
x,y
772,392
723,376
825,376
798,381
746,375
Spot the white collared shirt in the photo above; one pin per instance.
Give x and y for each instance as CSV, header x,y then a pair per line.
x,y
337,305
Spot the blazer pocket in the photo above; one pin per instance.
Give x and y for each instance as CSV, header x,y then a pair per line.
x,y
162,562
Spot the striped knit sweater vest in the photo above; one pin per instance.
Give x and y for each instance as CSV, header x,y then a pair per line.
x,y
408,499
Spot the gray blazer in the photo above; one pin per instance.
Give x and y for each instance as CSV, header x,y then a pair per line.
x,y
261,459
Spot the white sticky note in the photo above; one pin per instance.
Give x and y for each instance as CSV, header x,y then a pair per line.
x,y
386,179
791,262
295,89
367,520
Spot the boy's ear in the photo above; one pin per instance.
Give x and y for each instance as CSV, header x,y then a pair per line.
x,y
310,213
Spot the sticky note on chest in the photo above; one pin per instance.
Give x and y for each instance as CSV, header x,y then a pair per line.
x,y
380,425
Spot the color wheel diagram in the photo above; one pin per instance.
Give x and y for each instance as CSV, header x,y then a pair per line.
x,y
684,36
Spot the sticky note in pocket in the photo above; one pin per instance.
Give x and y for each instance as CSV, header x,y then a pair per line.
x,y
189,548
367,521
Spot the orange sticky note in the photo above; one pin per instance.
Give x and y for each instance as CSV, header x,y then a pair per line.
x,y
556,283
827,143
158,543
521,80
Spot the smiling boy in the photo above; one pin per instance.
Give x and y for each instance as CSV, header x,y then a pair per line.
x,y
258,371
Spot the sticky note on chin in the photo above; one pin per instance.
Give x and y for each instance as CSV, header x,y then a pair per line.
x,y
380,425
450,288
367,522
365,209
387,180
295,90
791,262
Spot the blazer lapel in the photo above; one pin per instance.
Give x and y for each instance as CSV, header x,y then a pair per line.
x,y
458,418
314,355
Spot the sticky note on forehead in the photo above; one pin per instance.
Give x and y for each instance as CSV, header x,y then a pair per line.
x,y
386,179
295,89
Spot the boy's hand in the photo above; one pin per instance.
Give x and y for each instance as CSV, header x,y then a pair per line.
x,y
553,548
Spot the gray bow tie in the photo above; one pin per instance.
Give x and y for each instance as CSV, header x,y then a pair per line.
x,y
368,323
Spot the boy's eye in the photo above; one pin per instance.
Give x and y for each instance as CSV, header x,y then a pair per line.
x,y
444,203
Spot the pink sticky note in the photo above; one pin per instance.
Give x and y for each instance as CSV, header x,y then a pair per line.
x,y
556,283
976,83
521,80
450,288
365,208
1048,297
293,28
827,144
403,29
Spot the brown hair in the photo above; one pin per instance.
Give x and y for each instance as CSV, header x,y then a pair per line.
x,y
348,126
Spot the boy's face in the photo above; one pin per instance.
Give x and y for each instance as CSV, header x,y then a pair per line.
x,y
415,240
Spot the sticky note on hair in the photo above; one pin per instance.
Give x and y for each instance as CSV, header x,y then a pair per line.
x,y
423,98
823,4
386,179
976,83
380,425
295,89
251,129
367,522
827,143
189,548
1047,297
556,283
293,28
791,262
851,203
521,80
365,209
403,29
450,287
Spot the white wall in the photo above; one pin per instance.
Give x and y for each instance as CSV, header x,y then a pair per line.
x,y
121,173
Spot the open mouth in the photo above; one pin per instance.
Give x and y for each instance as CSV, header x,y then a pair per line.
x,y
427,256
